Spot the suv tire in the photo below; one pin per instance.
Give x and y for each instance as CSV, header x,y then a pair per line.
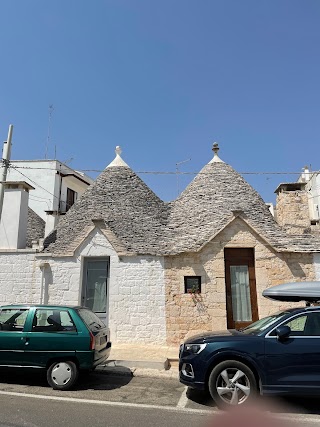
x,y
232,383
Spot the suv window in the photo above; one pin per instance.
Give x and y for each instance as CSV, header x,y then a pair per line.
x,y
305,325
52,321
297,324
91,319
13,319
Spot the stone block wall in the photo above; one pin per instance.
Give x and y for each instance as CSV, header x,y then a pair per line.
x,y
292,211
136,295
136,299
316,258
187,315
137,303
20,277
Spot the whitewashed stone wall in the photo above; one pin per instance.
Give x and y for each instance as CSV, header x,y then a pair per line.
x,y
137,301
135,295
136,288
20,277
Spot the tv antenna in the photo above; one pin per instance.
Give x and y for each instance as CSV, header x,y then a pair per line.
x,y
178,172
49,129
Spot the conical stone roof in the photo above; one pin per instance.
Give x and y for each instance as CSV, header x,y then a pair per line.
x,y
211,201
127,206
139,222
215,196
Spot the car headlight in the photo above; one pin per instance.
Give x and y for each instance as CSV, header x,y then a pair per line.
x,y
195,348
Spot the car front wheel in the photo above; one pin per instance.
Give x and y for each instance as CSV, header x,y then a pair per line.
x,y
62,375
232,383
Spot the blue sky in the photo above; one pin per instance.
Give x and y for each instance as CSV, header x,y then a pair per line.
x,y
164,80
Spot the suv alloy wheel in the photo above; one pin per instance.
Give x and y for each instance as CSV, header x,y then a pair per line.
x,y
232,383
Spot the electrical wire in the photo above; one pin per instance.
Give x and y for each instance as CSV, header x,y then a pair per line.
x,y
16,168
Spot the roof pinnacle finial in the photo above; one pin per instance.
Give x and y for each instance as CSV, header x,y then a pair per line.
x,y
215,149
118,160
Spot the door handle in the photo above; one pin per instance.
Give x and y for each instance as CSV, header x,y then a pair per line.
x,y
26,339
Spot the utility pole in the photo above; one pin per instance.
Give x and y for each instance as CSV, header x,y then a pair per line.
x,y
6,154
49,129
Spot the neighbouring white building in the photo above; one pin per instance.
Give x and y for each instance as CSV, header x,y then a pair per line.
x,y
312,187
55,187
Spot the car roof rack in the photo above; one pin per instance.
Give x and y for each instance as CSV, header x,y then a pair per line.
x,y
295,292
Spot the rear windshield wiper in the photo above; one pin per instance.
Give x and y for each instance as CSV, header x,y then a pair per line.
x,y
96,324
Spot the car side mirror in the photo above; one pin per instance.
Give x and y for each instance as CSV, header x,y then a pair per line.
x,y
283,332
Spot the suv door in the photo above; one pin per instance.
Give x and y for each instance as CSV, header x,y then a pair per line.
x,y
293,364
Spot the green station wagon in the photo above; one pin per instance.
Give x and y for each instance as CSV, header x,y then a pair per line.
x,y
63,340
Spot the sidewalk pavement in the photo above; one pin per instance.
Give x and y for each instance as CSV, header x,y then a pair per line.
x,y
142,360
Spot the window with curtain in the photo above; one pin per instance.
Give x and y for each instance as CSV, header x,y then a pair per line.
x,y
240,290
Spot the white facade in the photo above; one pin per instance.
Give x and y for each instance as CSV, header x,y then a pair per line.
x,y
313,189
314,196
135,290
50,179
14,216
20,277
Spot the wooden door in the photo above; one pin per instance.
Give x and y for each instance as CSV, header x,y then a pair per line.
x,y
241,293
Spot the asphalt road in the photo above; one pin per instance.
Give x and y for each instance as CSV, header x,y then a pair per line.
x,y
108,400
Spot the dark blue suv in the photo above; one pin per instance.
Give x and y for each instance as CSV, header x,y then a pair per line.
x,y
278,354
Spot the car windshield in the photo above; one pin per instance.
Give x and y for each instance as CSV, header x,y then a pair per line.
x,y
263,324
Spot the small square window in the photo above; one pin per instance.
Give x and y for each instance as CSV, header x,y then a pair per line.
x,y
192,284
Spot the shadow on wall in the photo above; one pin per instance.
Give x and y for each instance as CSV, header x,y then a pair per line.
x,y
294,265
47,280
316,258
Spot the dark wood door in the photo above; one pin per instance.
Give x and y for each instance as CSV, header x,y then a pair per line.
x,y
241,293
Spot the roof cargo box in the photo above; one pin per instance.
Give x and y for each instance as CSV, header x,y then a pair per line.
x,y
294,291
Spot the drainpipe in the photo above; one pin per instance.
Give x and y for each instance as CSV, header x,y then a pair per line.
x,y
6,158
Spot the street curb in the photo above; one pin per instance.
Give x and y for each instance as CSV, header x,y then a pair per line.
x,y
137,372
162,364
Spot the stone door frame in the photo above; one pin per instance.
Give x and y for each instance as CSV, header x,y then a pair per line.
x,y
240,256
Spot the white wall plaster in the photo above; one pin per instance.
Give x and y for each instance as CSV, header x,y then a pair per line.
x,y
136,287
136,294
20,278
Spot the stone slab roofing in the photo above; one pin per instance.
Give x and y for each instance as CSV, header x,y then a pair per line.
x,y
124,204
35,227
136,221
216,196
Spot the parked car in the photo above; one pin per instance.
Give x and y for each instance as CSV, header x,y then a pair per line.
x,y
279,354
63,340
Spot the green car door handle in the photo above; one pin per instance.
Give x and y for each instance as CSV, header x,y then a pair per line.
x,y
26,340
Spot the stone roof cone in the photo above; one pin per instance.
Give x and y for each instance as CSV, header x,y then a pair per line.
x,y
138,222
211,200
123,202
